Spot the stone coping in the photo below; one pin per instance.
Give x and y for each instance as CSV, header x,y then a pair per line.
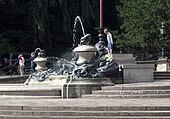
x,y
13,76
146,62
152,61
137,66
163,61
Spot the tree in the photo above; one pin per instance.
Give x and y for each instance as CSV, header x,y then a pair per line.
x,y
53,20
139,26
47,24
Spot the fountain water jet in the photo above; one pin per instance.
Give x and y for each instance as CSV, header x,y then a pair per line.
x,y
75,30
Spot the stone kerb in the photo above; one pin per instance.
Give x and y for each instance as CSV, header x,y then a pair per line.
x,y
134,73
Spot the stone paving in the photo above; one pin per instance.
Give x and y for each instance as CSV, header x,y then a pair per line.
x,y
88,102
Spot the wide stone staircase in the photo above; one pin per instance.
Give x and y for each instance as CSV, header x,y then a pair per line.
x,y
91,112
156,89
123,101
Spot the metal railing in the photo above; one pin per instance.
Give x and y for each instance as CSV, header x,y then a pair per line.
x,y
10,69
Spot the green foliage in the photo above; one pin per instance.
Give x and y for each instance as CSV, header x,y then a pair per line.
x,y
5,46
140,22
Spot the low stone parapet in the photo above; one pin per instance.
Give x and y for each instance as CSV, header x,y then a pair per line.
x,y
10,79
134,73
77,87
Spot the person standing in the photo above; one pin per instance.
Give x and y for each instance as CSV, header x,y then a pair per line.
x,y
32,62
109,42
21,64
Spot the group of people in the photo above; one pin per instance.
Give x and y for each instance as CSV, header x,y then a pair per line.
x,y
21,65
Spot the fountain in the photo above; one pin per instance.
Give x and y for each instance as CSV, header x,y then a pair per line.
x,y
89,69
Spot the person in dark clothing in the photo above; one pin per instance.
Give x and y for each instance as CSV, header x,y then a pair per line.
x,y
32,62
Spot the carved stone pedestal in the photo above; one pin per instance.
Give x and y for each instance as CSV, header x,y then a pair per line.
x,y
41,63
162,65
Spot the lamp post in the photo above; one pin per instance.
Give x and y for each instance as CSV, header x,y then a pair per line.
x,y
101,13
101,30
163,34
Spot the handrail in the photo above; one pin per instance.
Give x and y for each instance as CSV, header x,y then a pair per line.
x,y
4,68
10,68
5,73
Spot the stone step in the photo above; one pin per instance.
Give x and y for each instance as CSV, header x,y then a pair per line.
x,y
14,97
130,92
104,96
122,55
32,92
156,87
161,72
83,113
22,90
161,75
83,117
84,108
131,59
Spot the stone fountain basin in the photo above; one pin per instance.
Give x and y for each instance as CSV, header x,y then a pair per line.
x,y
57,80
